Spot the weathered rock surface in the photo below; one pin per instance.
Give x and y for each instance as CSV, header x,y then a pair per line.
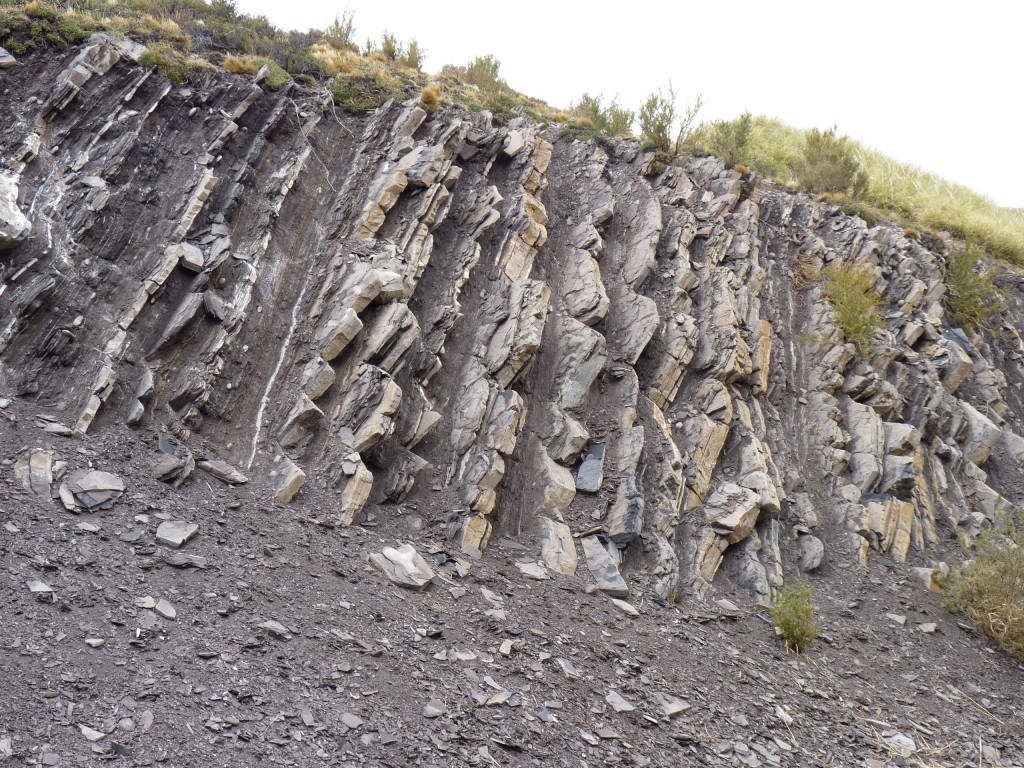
x,y
505,332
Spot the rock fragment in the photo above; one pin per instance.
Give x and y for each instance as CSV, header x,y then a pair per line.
x,y
223,471
276,629
90,490
434,708
603,568
34,470
618,703
403,566
175,533
165,609
288,479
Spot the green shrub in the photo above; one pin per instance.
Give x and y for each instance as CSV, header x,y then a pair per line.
x,y
730,139
972,297
793,614
483,72
167,61
656,117
851,292
341,32
591,113
828,165
990,588
414,55
391,47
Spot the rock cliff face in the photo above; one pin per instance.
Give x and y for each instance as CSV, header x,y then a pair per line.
x,y
520,335
248,345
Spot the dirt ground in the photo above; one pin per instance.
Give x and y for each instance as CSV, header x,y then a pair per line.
x,y
483,667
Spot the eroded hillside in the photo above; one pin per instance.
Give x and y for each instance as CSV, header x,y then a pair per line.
x,y
516,338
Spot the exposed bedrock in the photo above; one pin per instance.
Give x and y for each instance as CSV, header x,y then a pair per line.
x,y
522,335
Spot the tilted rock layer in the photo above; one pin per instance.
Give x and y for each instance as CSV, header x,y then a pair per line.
x,y
523,334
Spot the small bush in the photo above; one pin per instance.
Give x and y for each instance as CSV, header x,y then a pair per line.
x,y
391,47
614,119
972,297
793,614
240,65
828,165
341,32
414,55
431,97
730,139
851,292
990,588
167,61
656,117
483,72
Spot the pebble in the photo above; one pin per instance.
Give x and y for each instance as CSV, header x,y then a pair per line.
x,y
351,721
90,733
166,610
533,571
434,708
618,703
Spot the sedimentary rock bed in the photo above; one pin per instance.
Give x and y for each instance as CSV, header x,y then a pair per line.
x,y
520,333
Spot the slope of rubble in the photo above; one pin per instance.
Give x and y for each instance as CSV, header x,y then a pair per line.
x,y
247,343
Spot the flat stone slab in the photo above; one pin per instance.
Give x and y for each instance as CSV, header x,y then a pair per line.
x,y
175,533
91,489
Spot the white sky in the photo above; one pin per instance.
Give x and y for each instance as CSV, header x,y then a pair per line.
x,y
936,84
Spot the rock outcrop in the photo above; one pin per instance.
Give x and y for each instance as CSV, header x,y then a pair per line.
x,y
512,332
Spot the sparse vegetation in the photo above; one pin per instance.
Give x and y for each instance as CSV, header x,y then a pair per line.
x,y
167,61
657,117
730,139
828,164
851,292
483,72
190,35
592,115
990,587
972,297
361,93
793,615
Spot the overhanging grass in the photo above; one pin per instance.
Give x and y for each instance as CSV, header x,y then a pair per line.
x,y
900,191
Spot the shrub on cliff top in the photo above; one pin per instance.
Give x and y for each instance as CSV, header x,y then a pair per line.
x,y
828,164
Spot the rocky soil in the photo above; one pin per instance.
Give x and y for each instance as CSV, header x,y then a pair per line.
x,y
251,346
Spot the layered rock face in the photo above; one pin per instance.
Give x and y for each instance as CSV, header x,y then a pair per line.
x,y
522,335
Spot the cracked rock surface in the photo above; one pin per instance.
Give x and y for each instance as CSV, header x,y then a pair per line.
x,y
485,353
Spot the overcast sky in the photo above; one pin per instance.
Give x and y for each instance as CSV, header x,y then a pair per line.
x,y
936,84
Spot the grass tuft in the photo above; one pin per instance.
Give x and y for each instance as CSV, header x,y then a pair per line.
x,y
972,297
851,292
167,61
431,97
990,588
